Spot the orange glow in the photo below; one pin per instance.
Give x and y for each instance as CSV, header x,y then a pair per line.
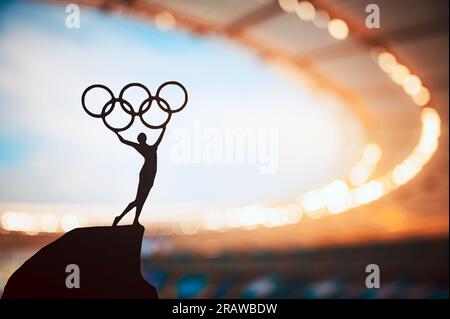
x,y
412,84
288,6
165,21
422,97
306,11
387,62
399,73
338,29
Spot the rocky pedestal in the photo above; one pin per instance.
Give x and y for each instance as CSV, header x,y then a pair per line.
x,y
103,261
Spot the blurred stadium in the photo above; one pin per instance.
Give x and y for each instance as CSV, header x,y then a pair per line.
x,y
385,202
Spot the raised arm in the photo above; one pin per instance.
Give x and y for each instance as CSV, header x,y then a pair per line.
x,y
160,137
124,141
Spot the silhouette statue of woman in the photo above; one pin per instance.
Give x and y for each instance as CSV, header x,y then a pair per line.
x,y
146,176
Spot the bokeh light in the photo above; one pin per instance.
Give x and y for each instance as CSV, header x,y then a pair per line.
x,y
338,29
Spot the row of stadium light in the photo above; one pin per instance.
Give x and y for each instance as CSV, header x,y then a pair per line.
x,y
306,11
337,196
340,196
333,198
33,224
400,74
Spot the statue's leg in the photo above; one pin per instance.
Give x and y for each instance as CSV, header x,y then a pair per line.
x,y
129,207
140,199
138,212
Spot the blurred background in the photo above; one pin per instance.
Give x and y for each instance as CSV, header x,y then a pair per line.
x,y
349,124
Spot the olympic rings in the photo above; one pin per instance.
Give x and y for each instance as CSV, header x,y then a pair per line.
x,y
106,112
126,106
168,107
143,110
83,97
